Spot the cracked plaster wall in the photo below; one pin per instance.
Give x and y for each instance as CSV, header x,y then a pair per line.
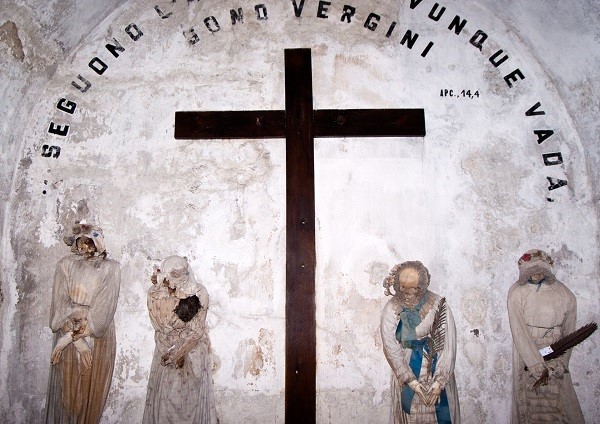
x,y
467,201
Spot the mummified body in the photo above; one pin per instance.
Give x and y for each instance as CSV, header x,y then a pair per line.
x,y
419,343
180,387
84,299
541,310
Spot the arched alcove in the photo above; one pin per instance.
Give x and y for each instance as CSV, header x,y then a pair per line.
x,y
493,177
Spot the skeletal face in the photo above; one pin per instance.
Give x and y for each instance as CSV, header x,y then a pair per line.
x,y
79,324
409,283
79,320
537,277
86,247
175,279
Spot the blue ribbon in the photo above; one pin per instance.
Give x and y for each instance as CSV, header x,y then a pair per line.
x,y
442,409
416,360
406,334
410,318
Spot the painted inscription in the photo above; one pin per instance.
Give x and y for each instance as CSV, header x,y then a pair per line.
x,y
82,84
550,159
469,94
323,10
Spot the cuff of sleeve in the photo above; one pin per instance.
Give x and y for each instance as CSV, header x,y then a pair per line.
x,y
537,369
405,377
442,378
93,330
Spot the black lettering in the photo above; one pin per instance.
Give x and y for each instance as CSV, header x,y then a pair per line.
x,y
533,110
497,62
555,183
512,77
457,24
478,38
86,83
133,31
48,151
58,129
237,16
369,24
66,106
349,12
391,29
115,48
432,14
212,24
298,9
323,9
426,50
551,159
543,135
261,12
414,3
191,36
98,65
161,14
408,38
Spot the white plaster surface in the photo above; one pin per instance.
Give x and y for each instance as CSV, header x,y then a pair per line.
x,y
467,200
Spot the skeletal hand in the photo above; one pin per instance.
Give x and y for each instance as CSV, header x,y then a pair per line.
x,y
170,359
56,353
419,390
538,370
557,369
543,380
61,344
434,393
166,359
85,353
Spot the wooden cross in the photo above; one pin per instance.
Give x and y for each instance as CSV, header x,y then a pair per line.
x,y
299,124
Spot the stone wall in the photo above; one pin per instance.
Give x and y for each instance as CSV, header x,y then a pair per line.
x,y
87,130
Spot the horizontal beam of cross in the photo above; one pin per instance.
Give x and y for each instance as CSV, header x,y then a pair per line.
x,y
326,123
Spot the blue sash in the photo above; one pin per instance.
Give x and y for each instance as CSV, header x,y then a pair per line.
x,y
412,319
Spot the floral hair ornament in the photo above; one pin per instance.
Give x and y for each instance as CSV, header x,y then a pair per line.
x,y
526,257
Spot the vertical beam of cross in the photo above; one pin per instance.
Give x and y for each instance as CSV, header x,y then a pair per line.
x,y
300,323
299,124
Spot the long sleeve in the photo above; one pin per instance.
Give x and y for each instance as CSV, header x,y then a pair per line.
x,y
160,310
104,301
523,341
189,336
195,329
392,349
60,308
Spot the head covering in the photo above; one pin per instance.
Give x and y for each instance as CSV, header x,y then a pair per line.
x,y
535,261
176,270
81,229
